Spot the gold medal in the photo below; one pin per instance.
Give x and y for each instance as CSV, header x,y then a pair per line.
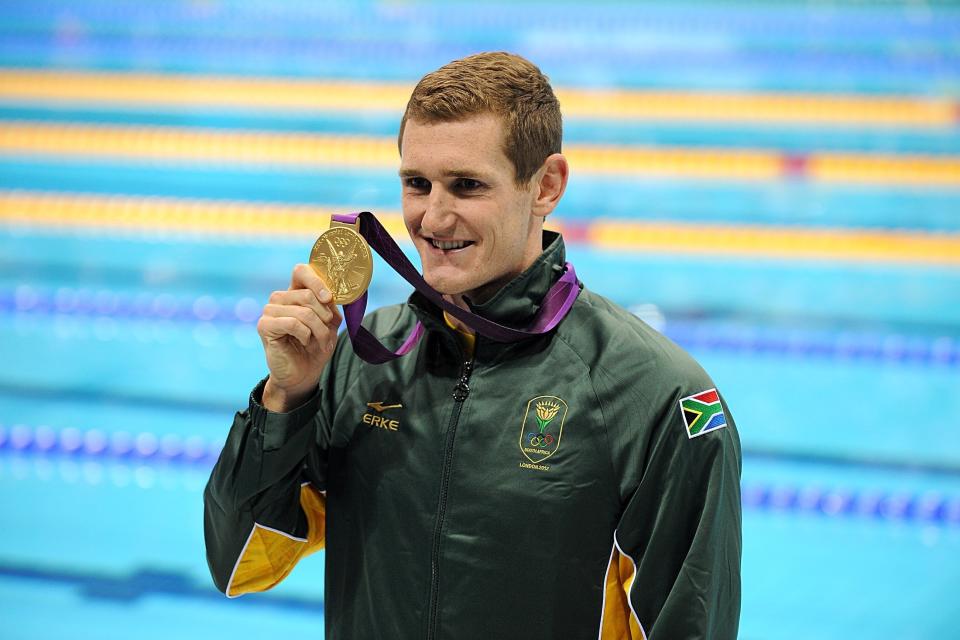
x,y
342,258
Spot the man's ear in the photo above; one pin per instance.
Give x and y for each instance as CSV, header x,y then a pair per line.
x,y
550,182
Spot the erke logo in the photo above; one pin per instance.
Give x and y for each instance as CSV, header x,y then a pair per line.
x,y
380,421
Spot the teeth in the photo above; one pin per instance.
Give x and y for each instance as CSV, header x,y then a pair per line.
x,y
446,246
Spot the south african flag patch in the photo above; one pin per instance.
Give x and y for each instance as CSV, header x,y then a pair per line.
x,y
702,413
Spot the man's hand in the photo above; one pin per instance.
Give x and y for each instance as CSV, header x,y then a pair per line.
x,y
298,329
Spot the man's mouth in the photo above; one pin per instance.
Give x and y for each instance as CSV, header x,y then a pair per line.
x,y
449,245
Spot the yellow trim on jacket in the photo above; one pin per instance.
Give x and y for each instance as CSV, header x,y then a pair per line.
x,y
270,555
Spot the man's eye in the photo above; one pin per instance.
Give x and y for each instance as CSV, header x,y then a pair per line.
x,y
468,184
417,184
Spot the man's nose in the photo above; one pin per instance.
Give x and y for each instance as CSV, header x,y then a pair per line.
x,y
439,218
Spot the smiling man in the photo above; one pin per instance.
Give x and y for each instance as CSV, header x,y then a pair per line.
x,y
581,482
475,223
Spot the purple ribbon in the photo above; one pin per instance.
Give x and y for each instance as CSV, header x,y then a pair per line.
x,y
556,303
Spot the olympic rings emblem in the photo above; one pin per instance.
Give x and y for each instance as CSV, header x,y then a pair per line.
x,y
538,439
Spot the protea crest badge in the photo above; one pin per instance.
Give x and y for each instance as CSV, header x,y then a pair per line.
x,y
542,427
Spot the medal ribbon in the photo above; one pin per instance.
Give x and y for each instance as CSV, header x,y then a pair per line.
x,y
556,303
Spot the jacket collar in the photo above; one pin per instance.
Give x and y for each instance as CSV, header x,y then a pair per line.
x,y
516,304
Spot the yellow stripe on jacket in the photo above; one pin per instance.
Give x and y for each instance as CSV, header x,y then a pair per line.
x,y
270,555
618,621
468,339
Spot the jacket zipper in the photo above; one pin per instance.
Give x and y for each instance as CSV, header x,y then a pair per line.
x,y
460,393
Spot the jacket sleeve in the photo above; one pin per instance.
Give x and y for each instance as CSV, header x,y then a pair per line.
x,y
264,504
675,562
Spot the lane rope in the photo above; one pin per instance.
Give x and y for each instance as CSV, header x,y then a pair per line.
x,y
158,218
292,94
279,150
94,444
840,345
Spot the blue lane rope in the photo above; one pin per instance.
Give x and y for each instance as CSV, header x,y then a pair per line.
x,y
839,345
118,446
144,306
923,350
94,444
931,508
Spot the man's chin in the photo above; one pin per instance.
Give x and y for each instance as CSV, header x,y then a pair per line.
x,y
446,285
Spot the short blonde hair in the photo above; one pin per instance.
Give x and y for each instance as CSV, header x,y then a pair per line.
x,y
506,85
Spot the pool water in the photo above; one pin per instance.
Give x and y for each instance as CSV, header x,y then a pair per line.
x,y
127,328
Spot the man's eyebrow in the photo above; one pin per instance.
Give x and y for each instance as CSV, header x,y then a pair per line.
x,y
463,173
449,173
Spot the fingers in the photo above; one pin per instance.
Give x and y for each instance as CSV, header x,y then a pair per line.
x,y
273,328
327,313
305,277
306,311
306,316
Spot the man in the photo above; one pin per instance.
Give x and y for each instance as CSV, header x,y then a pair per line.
x,y
582,483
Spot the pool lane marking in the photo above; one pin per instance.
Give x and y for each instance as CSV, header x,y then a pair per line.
x,y
151,215
294,94
912,350
142,582
777,242
185,145
194,449
145,449
215,219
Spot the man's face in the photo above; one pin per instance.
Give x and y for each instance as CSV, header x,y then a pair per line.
x,y
471,224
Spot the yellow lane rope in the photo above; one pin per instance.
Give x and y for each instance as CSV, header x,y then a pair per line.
x,y
223,220
198,145
150,215
282,94
777,242
190,145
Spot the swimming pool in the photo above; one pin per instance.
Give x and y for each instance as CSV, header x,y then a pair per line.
x,y
130,283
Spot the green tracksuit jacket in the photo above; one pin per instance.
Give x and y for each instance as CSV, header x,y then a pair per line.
x,y
581,484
